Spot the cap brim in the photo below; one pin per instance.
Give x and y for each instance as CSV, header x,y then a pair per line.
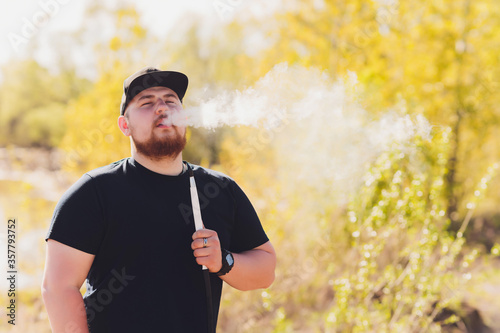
x,y
176,81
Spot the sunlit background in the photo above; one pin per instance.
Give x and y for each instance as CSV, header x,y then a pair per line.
x,y
366,134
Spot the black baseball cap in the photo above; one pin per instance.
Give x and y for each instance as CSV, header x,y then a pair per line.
x,y
152,77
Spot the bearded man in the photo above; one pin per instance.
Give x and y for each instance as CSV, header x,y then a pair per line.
x,y
128,230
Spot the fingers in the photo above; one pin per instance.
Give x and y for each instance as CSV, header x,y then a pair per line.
x,y
206,249
204,233
203,252
205,242
204,238
210,257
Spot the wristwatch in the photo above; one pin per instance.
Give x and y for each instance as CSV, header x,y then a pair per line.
x,y
227,262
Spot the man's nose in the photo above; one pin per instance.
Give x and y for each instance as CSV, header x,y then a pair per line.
x,y
161,106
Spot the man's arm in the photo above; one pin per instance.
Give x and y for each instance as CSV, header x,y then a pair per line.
x,y
252,269
65,271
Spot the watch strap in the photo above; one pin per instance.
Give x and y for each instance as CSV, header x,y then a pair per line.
x,y
226,266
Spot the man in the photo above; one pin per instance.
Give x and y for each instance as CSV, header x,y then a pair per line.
x,y
128,230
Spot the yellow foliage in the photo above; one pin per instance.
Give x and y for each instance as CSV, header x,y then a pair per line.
x,y
383,259
93,138
437,56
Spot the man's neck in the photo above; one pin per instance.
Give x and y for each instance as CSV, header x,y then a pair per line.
x,y
165,166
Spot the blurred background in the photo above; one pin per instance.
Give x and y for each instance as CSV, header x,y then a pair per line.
x,y
381,200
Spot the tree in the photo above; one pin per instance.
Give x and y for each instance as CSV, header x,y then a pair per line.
x,y
93,138
439,58
32,102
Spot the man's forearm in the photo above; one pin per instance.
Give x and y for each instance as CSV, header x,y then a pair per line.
x,y
66,310
252,269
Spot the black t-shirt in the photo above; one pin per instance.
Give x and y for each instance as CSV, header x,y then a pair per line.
x,y
139,226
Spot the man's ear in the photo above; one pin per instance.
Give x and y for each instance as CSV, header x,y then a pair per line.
x,y
123,124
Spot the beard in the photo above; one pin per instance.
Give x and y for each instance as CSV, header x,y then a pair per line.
x,y
159,148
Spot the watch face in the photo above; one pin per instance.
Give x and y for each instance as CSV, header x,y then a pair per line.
x,y
229,259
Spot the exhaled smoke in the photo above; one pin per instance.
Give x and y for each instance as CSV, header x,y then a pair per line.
x,y
292,93
314,123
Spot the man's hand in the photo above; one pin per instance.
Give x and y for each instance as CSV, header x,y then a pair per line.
x,y
253,269
206,246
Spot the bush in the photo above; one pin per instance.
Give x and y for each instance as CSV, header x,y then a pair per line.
x,y
383,261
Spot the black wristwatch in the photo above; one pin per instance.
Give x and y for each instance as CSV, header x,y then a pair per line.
x,y
227,262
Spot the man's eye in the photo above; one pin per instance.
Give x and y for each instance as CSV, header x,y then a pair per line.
x,y
146,103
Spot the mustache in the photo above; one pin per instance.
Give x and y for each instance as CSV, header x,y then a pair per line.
x,y
160,119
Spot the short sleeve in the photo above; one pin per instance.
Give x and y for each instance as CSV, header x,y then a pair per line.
x,y
248,232
78,219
